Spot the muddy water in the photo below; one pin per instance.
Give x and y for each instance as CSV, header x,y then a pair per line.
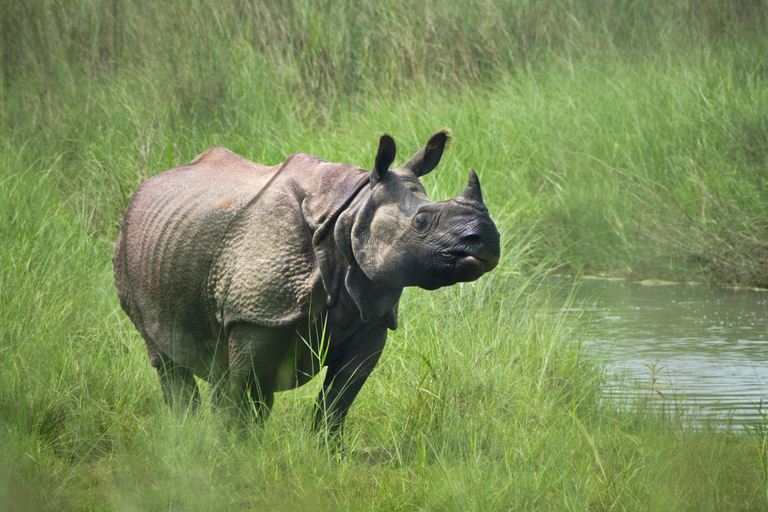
x,y
698,349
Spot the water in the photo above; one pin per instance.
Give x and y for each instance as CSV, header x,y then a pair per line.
x,y
706,347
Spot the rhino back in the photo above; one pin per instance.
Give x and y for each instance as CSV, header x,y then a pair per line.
x,y
171,230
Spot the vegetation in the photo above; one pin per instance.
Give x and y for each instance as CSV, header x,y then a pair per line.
x,y
610,136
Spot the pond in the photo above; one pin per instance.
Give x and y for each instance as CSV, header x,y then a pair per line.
x,y
694,348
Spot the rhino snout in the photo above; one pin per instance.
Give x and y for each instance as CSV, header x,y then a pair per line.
x,y
477,252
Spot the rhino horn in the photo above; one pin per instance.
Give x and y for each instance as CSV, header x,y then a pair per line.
x,y
472,193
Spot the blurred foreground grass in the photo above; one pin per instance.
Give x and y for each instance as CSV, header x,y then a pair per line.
x,y
623,137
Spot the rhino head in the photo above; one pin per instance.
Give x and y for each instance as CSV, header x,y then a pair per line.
x,y
401,238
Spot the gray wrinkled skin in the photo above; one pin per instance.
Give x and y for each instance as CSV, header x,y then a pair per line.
x,y
253,278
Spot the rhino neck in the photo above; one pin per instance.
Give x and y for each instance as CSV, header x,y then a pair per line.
x,y
343,279
372,302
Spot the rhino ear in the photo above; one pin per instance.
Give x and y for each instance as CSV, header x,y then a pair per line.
x,y
429,156
384,158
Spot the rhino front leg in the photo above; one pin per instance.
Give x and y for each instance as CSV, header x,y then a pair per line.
x,y
347,372
255,352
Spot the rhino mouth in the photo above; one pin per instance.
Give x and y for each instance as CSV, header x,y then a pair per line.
x,y
470,264
468,257
451,266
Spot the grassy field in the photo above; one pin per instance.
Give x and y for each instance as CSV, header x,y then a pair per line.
x,y
620,137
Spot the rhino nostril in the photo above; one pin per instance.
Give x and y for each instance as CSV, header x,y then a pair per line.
x,y
473,238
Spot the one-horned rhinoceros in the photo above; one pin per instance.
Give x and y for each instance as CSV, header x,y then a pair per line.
x,y
254,277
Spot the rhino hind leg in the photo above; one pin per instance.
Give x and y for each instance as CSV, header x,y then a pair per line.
x,y
180,390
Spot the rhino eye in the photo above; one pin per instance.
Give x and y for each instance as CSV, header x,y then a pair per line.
x,y
421,221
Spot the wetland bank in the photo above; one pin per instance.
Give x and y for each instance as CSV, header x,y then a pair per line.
x,y
617,137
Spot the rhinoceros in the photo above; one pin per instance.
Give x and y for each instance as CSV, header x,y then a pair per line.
x,y
253,278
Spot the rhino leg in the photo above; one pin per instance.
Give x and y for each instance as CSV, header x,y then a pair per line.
x,y
178,383
346,375
255,353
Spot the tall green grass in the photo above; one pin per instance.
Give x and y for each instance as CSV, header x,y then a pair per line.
x,y
621,137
